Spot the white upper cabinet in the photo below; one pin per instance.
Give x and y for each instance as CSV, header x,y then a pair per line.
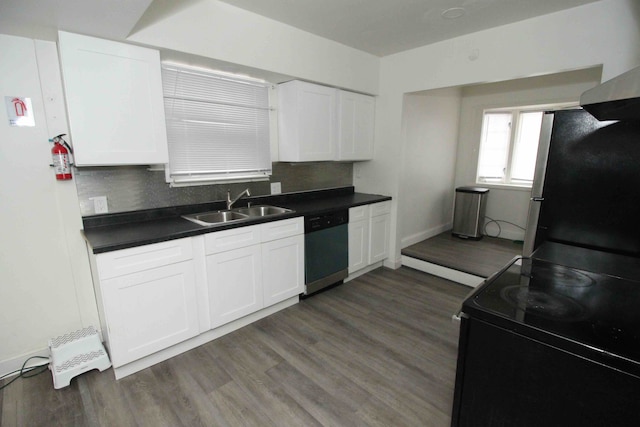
x,y
114,100
320,123
355,126
306,121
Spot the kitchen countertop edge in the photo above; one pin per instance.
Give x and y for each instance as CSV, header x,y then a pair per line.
x,y
107,233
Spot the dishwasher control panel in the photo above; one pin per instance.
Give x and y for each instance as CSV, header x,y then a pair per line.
x,y
320,222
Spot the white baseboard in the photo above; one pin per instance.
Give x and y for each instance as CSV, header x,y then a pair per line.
x,y
394,265
362,271
424,235
16,363
444,272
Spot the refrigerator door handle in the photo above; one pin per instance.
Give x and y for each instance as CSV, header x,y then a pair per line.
x,y
538,184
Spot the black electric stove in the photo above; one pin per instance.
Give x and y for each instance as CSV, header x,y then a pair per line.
x,y
552,339
594,312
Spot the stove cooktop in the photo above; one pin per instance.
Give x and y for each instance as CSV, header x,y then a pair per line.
x,y
597,310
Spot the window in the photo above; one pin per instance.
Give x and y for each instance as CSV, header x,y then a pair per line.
x,y
217,127
509,145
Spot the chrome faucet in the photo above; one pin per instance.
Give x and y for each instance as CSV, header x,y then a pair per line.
x,y
230,202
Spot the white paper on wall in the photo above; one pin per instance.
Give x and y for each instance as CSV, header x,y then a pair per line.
x,y
19,111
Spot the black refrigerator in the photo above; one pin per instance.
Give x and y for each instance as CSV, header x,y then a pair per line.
x,y
554,337
586,189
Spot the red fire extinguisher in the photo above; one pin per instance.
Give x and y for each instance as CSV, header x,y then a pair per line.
x,y
60,154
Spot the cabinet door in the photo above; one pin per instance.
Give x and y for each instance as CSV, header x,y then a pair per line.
x,y
358,237
307,122
235,284
355,126
114,101
358,245
149,311
283,269
379,228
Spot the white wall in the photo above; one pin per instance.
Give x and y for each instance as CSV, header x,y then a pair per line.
x,y
509,204
44,272
430,134
45,283
217,30
606,32
44,276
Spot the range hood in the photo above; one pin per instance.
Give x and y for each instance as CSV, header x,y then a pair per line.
x,y
615,99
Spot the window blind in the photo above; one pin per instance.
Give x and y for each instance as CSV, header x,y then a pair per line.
x,y
217,126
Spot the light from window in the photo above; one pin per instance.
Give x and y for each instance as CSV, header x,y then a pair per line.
x,y
508,147
494,149
525,147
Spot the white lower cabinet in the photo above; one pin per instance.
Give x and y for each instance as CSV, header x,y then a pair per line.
x,y
379,229
152,305
154,297
265,265
358,238
283,269
369,234
235,284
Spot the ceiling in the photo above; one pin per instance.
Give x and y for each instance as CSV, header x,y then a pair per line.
x,y
380,27
41,19
384,27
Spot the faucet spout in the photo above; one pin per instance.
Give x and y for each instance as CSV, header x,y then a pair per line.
x,y
231,201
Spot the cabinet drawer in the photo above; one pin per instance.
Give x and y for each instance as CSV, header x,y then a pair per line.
x,y
235,238
281,229
140,258
380,208
359,213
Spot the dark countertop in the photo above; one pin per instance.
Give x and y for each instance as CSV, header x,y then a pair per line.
x,y
593,260
110,232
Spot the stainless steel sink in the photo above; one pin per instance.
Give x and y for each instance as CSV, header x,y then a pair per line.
x,y
216,217
238,214
263,210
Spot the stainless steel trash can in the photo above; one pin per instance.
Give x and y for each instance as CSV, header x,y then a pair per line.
x,y
468,212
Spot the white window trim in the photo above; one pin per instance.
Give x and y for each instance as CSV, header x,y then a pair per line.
x,y
515,112
203,177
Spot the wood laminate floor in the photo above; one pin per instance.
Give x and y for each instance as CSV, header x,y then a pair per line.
x,y
478,257
377,351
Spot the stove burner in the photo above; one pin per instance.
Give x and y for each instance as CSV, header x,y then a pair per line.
x,y
543,304
561,276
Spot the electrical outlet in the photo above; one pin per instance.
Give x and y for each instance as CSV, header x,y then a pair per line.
x,y
276,188
100,205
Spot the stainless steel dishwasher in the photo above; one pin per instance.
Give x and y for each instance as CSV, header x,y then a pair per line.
x,y
326,245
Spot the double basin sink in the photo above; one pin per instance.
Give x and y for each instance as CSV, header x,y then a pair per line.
x,y
237,214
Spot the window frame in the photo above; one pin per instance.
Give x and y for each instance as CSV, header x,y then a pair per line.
x,y
507,180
